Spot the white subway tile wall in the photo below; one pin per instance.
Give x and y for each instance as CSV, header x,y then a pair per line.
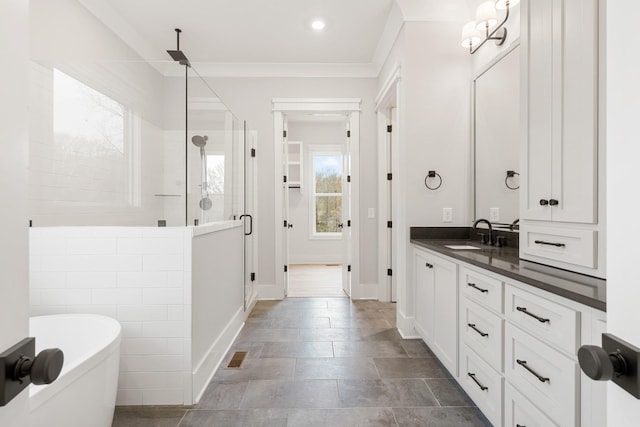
x,y
139,276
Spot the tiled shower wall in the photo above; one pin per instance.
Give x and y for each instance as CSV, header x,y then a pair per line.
x,y
139,276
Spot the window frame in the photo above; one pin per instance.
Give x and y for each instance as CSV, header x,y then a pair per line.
x,y
314,150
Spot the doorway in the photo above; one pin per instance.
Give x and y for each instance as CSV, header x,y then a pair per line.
x,y
317,180
390,219
316,201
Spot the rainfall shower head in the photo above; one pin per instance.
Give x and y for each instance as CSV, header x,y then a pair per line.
x,y
199,141
178,55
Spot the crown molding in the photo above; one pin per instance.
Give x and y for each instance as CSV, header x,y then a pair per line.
x,y
330,70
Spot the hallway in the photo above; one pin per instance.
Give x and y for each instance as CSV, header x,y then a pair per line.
x,y
322,362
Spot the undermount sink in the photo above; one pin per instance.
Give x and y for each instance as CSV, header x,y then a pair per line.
x,y
461,247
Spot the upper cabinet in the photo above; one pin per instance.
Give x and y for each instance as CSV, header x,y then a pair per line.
x,y
559,156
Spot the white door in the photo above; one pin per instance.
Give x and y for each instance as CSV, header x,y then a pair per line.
x,y
285,205
623,204
250,214
14,217
346,213
393,139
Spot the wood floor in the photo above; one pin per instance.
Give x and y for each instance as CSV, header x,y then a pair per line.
x,y
315,280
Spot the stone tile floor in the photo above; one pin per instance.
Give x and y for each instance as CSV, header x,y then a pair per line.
x,y
322,362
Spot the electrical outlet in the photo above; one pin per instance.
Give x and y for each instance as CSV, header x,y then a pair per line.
x,y
494,214
372,213
447,214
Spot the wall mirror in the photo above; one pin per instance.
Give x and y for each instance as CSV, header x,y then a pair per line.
x,y
496,93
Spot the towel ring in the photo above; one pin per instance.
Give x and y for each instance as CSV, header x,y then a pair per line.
x,y
432,174
511,174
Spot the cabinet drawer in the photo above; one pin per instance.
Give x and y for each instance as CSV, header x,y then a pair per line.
x,y
483,289
572,246
482,331
518,411
543,375
552,322
483,384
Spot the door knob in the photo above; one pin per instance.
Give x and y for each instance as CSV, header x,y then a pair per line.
x,y
553,202
616,360
341,225
544,202
19,367
43,369
599,365
290,225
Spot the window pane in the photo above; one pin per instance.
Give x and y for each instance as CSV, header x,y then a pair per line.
x,y
89,139
328,173
328,214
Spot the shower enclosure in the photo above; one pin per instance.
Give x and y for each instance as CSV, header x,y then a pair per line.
x,y
142,207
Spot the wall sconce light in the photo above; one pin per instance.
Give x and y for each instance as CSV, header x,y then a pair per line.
x,y
486,20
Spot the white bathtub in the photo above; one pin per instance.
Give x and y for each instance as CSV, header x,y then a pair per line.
x,y
85,393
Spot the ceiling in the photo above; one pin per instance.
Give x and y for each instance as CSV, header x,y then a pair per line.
x,y
266,32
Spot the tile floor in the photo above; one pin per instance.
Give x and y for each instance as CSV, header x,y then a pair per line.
x,y
322,362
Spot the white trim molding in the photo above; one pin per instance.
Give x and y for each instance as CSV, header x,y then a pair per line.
x,y
351,108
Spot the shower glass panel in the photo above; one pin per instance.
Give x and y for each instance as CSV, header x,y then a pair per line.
x,y
215,156
130,143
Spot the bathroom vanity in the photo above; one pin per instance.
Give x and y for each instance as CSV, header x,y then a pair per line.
x,y
508,330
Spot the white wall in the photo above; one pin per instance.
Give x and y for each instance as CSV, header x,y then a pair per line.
x,y
218,304
434,134
302,248
13,193
138,276
250,98
623,229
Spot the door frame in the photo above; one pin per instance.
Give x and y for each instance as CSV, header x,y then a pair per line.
x,y
387,101
351,108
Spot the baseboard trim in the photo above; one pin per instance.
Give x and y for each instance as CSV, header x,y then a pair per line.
x,y
207,367
405,326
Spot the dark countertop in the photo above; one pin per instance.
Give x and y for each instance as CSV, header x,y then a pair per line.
x,y
587,290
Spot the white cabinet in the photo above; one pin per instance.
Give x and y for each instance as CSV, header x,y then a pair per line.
x,y
436,308
294,164
559,155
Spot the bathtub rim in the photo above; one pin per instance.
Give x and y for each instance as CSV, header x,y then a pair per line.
x,y
38,395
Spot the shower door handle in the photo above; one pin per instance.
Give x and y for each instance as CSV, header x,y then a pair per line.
x,y
250,224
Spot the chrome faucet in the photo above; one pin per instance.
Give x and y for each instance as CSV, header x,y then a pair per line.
x,y
475,228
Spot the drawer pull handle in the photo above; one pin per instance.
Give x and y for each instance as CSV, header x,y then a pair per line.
x,y
542,242
473,326
523,363
538,318
474,286
520,425
429,265
473,377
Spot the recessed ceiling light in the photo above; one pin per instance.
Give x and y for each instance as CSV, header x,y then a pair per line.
x,y
318,24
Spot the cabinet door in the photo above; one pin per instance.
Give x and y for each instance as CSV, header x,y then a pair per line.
x,y
445,343
537,114
425,294
574,157
559,110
